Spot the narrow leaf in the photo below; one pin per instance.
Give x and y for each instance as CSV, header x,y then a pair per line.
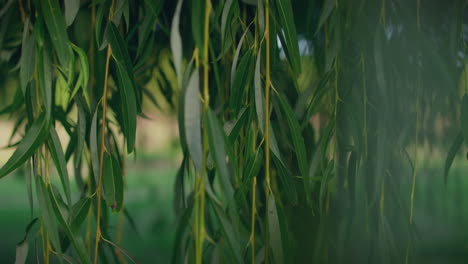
x,y
79,213
22,252
71,9
113,183
57,30
155,6
192,119
129,107
328,7
241,79
34,137
275,231
27,57
296,135
84,71
47,215
94,146
176,42
198,29
76,241
58,157
228,230
44,70
23,246
291,44
126,85
217,143
224,18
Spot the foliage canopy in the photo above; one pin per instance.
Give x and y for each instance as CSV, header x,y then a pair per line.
x,y
297,119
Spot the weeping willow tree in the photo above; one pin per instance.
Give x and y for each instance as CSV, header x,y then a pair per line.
x,y
299,121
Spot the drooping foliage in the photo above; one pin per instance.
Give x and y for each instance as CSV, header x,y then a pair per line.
x,y
299,120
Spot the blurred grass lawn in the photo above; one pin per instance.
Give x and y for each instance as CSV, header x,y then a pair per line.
x,y
148,198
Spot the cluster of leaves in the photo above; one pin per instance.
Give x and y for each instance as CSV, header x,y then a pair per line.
x,y
260,181
82,65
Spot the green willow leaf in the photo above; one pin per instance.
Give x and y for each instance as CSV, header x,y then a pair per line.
x,y
18,100
39,31
126,86
93,145
261,17
198,25
296,134
47,216
119,8
176,42
27,61
84,72
233,130
227,14
113,183
23,246
328,7
275,231
144,38
259,98
291,44
76,241
71,10
217,143
317,158
286,180
181,231
236,56
100,39
241,79
155,6
81,132
228,230
452,153
119,48
62,92
79,213
57,30
324,185
22,252
44,70
34,137
129,108
58,157
192,120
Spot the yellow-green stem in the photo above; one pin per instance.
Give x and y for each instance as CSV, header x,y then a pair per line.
x,y
101,158
47,248
200,181
254,211
121,216
88,225
267,120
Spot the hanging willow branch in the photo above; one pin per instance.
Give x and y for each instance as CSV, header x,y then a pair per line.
x,y
292,117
